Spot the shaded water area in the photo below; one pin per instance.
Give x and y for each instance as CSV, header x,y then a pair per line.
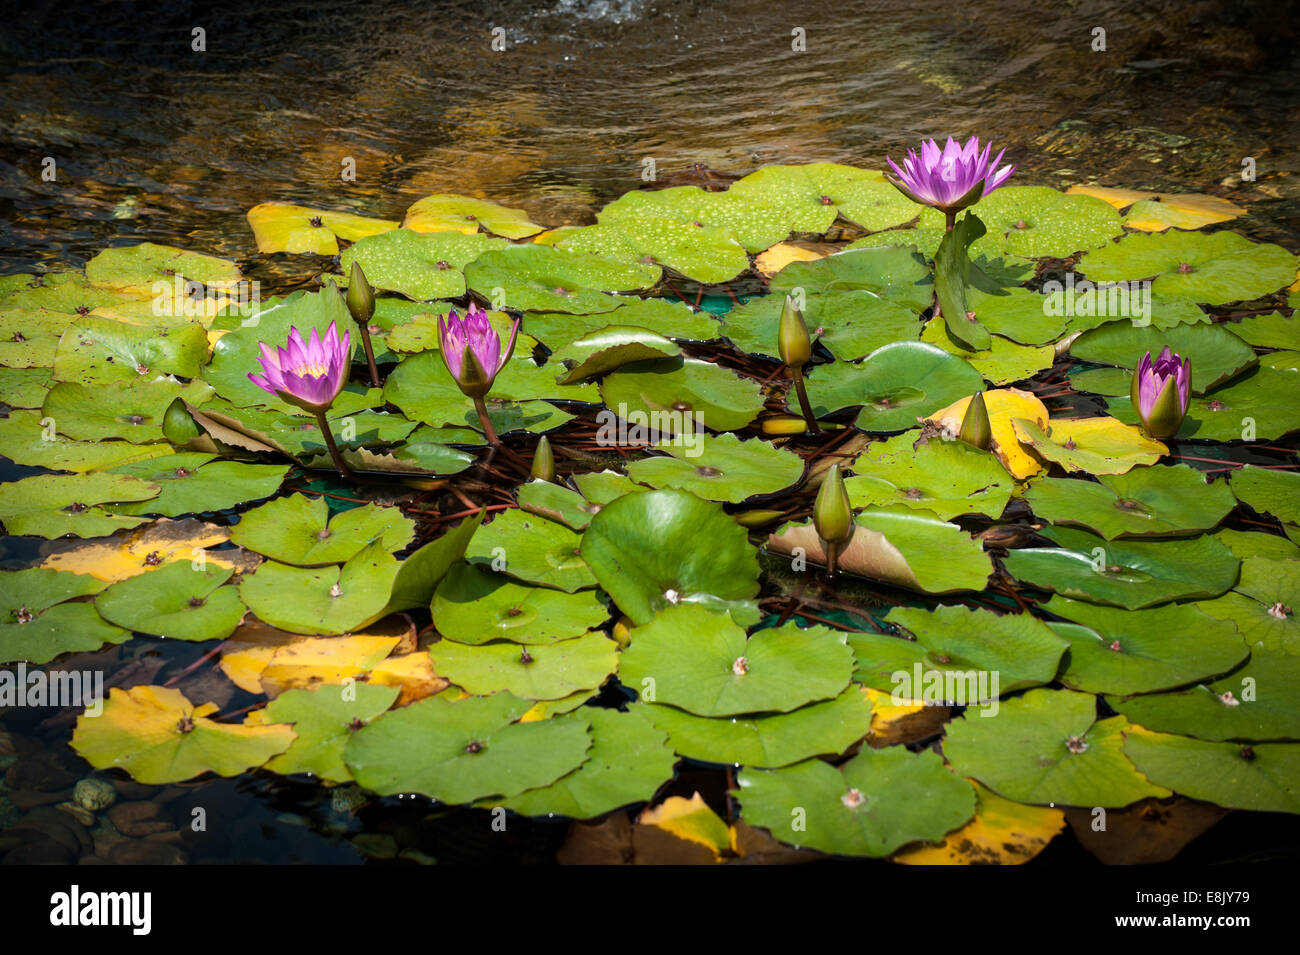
x,y
155,141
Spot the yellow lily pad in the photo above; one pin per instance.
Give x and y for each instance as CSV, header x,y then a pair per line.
x,y
128,553
1102,445
692,820
261,659
1004,405
782,254
1119,198
1002,833
1190,211
450,213
284,227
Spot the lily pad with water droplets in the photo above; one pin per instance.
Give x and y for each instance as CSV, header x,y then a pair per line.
x,y
542,278
722,468
1049,747
451,213
700,661
422,267
157,736
718,398
98,351
644,550
298,530
325,600
1158,501
893,273
875,803
177,601
473,605
460,751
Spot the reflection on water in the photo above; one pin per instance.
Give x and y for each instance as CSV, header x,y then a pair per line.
x,y
153,140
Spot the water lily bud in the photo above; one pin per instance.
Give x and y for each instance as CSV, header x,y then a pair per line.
x,y
543,461
1160,392
361,297
975,427
792,341
832,515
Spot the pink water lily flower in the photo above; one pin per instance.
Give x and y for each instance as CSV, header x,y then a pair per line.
x,y
949,178
309,374
1161,391
472,349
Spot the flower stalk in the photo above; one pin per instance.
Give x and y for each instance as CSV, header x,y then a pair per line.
x,y
361,305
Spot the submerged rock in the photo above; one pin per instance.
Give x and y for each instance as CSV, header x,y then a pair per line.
x,y
94,794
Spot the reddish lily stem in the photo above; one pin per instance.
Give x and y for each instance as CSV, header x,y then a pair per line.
x,y
804,403
344,471
481,407
370,355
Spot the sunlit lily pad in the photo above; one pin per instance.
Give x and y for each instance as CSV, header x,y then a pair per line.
x,y
29,338
1265,777
324,718
1263,604
1001,362
1048,747
419,266
194,483
284,227
532,549
542,278
896,274
1021,315
812,194
51,505
872,805
1004,406
1131,574
136,268
851,324
721,468
465,750
717,397
701,662
1213,268
1155,501
25,440
557,502
474,605
896,385
1191,211
326,599
949,478
1141,651
36,622
829,727
451,213
24,387
628,761
645,239
1245,544
1273,330
420,573
158,736
133,410
1269,491
908,548
1261,701
1215,352
1002,833
549,671
138,551
645,551
600,352
98,351
177,601
297,530
259,658
1101,445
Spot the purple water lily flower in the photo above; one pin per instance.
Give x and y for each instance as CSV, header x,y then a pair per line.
x,y
949,178
309,374
472,349
1161,391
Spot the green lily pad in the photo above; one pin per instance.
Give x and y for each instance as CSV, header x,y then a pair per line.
x,y
1155,501
158,736
645,239
63,628
532,549
1101,445
893,273
24,387
176,601
1261,701
829,727
325,600
1259,406
1215,352
451,213
851,324
1018,647
1022,315
421,266
600,352
1142,651
951,266
193,483
1131,574
1049,747
557,502
1002,362
474,605
1245,544
629,760
1111,382
743,216
67,292
896,385
29,338
24,440
135,269
419,574
701,662
325,718
297,530
812,194
52,505
1269,491
461,751
645,551
1212,268
948,478
134,411
1263,604
1262,778
877,802
669,318
718,398
1273,330
543,278
98,351
1034,221
721,468
548,671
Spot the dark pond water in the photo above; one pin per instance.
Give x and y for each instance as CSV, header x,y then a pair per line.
x,y
153,140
